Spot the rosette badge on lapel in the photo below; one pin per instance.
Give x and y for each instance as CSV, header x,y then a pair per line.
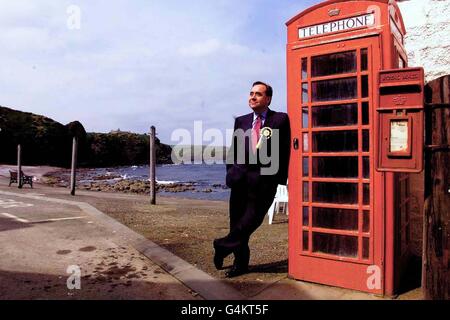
x,y
265,134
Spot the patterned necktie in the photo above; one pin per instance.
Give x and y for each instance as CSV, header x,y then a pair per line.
x,y
255,132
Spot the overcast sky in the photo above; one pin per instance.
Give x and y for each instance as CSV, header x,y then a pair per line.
x,y
133,64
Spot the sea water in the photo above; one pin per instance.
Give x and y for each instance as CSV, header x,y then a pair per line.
x,y
208,180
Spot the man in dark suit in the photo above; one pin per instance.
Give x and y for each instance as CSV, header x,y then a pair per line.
x,y
257,162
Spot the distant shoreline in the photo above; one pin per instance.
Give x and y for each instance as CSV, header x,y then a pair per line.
x,y
115,181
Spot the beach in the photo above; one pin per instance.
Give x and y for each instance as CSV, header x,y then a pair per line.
x,y
37,172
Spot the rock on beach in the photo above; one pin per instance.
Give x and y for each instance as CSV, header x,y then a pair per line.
x,y
115,183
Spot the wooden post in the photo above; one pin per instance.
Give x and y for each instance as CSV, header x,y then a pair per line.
x,y
152,166
435,269
73,173
19,166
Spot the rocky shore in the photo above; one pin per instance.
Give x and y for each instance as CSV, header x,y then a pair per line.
x,y
87,179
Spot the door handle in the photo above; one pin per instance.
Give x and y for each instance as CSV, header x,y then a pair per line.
x,y
295,144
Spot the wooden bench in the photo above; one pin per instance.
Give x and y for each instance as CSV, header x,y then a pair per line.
x,y
25,179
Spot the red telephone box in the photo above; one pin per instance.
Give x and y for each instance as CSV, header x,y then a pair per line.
x,y
349,222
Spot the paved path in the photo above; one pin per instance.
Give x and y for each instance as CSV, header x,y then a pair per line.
x,y
47,242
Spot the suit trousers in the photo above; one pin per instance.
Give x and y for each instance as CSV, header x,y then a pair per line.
x,y
249,202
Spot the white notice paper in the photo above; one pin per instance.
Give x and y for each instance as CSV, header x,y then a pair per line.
x,y
399,136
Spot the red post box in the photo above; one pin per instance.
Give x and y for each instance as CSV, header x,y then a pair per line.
x,y
401,120
349,222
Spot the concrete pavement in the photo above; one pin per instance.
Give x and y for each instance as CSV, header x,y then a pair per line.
x,y
47,243
42,236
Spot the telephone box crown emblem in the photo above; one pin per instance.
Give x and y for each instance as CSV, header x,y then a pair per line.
x,y
334,12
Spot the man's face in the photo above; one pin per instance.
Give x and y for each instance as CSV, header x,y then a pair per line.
x,y
258,100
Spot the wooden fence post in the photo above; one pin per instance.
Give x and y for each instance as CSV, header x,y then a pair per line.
x,y
435,269
152,166
19,166
73,173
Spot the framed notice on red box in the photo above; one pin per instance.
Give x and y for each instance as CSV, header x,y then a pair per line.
x,y
400,137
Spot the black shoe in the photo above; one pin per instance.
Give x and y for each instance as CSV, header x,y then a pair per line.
x,y
218,259
219,255
236,271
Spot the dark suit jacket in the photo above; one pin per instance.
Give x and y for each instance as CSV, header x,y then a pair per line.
x,y
238,171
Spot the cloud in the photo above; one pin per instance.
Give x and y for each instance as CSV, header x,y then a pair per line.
x,y
141,63
201,49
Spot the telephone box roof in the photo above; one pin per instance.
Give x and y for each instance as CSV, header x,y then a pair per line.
x,y
326,3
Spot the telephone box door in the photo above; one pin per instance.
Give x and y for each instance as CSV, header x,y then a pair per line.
x,y
335,225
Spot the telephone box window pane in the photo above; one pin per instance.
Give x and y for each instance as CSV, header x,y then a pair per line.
x,y
305,142
365,248
305,216
305,241
305,192
335,115
335,63
335,167
366,141
344,246
305,167
366,194
365,86
335,89
365,113
366,221
366,167
335,141
304,69
342,219
305,93
363,59
340,193
305,118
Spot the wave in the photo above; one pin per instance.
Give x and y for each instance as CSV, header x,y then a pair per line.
x,y
166,182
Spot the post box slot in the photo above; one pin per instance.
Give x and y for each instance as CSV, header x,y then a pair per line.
x,y
388,90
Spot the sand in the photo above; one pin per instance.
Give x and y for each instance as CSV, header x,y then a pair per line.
x,y
36,171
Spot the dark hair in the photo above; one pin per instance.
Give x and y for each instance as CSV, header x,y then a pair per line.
x,y
269,90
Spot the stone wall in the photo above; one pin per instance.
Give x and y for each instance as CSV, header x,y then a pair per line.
x,y
428,35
